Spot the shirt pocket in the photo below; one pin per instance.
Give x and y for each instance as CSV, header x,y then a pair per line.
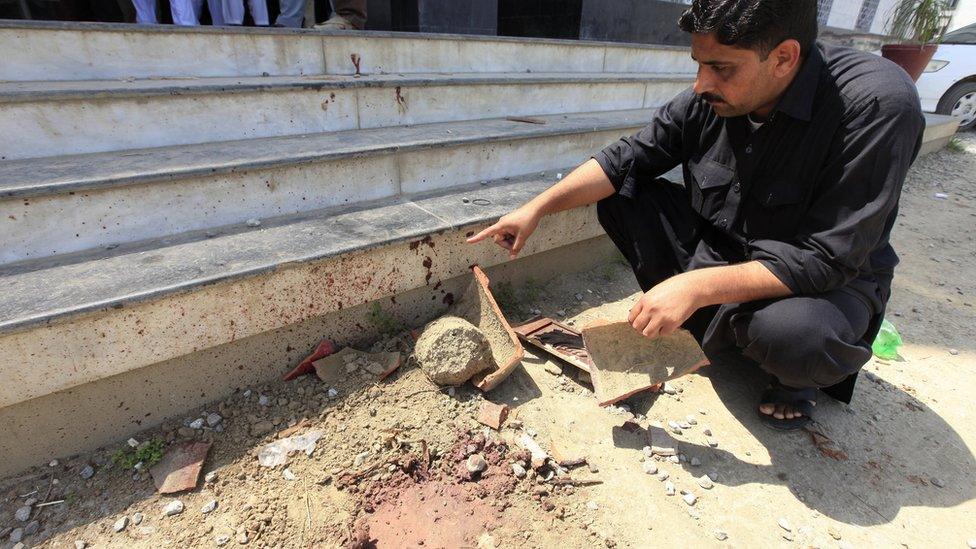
x,y
780,207
709,185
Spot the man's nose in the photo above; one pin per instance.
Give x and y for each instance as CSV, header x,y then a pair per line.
x,y
703,83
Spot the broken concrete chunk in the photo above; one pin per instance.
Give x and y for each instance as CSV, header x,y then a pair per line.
x,y
564,455
179,469
452,350
493,415
539,456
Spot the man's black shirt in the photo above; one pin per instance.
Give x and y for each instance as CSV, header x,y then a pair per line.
x,y
812,193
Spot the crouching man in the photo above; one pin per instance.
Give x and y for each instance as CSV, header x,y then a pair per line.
x,y
775,249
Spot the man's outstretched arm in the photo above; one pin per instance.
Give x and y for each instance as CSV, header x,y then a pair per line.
x,y
584,185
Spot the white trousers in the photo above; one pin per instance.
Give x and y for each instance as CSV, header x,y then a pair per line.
x,y
187,12
232,11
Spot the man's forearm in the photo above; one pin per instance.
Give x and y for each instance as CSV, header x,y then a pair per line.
x,y
584,185
739,283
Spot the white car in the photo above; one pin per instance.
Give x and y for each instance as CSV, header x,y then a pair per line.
x,y
948,85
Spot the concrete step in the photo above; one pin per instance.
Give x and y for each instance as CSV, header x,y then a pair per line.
x,y
39,119
38,50
116,311
62,205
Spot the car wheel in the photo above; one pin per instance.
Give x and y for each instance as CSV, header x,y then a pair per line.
x,y
960,102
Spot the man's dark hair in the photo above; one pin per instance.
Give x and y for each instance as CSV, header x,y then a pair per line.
x,y
759,25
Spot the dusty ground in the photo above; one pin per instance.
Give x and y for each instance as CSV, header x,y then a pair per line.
x,y
909,478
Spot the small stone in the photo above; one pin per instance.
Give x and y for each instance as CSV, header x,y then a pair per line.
x,y
133,443
518,470
707,431
695,462
360,459
242,538
669,488
971,543
222,540
32,528
690,419
261,428
87,472
476,463
174,507
720,535
663,475
953,352
19,546
592,505
784,524
23,514
592,467
669,389
253,222
705,482
137,518
561,312
288,475
650,468
54,463
210,477
690,498
333,392
16,535
214,419
120,524
80,544
711,442
937,482
836,535
263,400
196,424
209,507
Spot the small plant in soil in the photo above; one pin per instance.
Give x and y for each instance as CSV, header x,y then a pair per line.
x,y
504,294
955,145
148,454
383,321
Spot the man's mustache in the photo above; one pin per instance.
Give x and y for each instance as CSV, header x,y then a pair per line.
x,y
712,98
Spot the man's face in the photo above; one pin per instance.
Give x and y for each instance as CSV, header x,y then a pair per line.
x,y
735,81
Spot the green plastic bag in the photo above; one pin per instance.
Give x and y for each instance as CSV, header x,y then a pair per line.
x,y
887,343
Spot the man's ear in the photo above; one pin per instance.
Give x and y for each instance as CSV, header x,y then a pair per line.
x,y
786,56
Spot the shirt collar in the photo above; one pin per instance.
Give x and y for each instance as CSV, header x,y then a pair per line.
x,y
797,101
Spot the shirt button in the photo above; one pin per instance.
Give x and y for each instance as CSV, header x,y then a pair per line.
x,y
749,149
735,188
723,222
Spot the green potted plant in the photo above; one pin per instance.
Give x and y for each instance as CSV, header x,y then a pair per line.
x,y
920,24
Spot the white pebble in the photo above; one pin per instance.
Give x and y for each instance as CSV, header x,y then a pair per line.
x,y
691,420
592,505
650,467
690,498
288,475
720,535
196,423
54,463
663,476
209,507
953,352
263,400
23,514
80,544
121,524
784,524
214,419
333,392
518,470
221,540
253,222
705,482
174,507
137,518
669,488
133,443
210,477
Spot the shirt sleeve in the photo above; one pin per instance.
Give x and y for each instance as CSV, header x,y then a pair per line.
x,y
650,152
856,197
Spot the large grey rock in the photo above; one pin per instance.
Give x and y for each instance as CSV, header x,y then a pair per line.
x,y
452,350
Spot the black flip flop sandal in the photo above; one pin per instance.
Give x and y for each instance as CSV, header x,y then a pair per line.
x,y
798,399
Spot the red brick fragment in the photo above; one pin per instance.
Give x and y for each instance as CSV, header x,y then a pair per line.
x,y
493,415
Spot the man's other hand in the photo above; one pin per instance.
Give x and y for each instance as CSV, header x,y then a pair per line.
x,y
665,307
511,231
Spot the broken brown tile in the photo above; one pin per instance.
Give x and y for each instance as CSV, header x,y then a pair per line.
x,y
625,362
493,415
556,339
179,470
323,349
564,455
478,307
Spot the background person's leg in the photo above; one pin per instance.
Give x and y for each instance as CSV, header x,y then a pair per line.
x,y
292,13
145,11
353,10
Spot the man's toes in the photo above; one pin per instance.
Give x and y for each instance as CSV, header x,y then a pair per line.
x,y
767,409
780,412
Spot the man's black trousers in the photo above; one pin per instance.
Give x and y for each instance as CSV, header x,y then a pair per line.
x,y
804,341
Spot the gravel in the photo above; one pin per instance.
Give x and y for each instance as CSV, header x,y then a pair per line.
x,y
174,507
120,524
209,507
23,514
87,472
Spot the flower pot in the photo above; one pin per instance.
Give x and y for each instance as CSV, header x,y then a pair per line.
x,y
910,57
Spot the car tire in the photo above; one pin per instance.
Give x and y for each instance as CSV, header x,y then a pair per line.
x,y
960,100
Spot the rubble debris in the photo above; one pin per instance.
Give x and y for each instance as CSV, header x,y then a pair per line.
x,y
478,306
179,469
452,350
564,457
556,339
334,368
492,415
626,363
174,507
276,453
322,350
539,456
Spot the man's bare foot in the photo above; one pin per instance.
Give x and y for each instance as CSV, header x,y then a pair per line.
x,y
786,408
782,411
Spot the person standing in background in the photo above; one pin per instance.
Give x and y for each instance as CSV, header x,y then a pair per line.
x,y
346,15
185,12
